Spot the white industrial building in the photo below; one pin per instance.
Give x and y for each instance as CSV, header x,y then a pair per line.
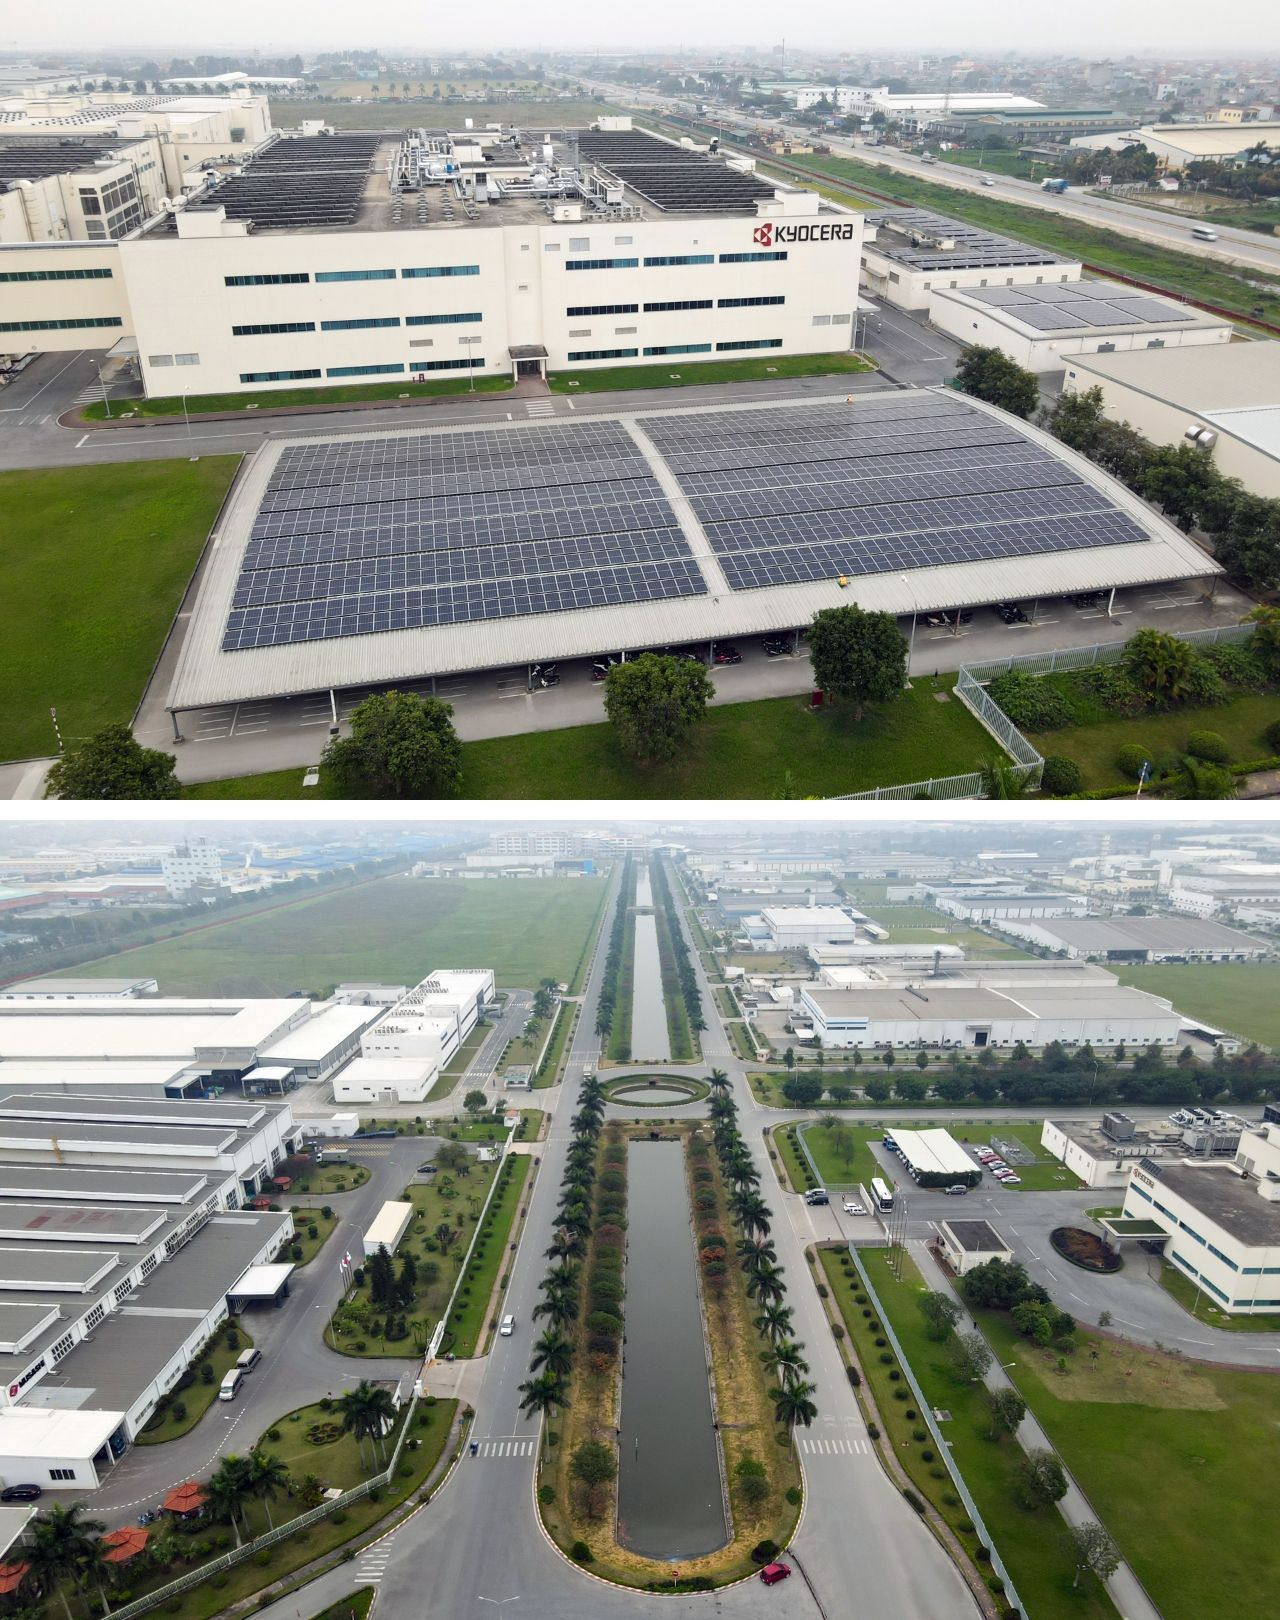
x,y
966,1244
359,256
1140,939
909,253
1040,327
1176,145
403,1052
940,1014
1225,400
57,988
877,953
99,1195
195,864
909,109
389,1225
798,927
1222,1220
976,906
933,1157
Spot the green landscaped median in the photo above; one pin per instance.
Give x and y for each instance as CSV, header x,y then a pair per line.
x,y
180,1410
490,1255
93,564
680,375
282,398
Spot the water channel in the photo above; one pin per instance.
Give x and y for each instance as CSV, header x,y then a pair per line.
x,y
650,1042
669,1493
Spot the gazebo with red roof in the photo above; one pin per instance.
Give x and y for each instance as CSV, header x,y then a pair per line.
x,y
123,1544
11,1577
184,1500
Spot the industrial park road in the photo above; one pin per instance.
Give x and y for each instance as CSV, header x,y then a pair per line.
x,y
1148,224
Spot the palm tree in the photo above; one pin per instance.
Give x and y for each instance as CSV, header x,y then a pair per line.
x,y
60,1543
365,1411
268,1476
785,1361
774,1321
751,1213
756,1254
228,1488
1001,780
566,1245
96,1566
542,1395
553,1353
766,1286
718,1080
1193,778
793,1403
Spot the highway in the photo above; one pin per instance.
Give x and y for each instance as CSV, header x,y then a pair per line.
x,y
1241,248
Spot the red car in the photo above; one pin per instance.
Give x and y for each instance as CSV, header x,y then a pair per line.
x,y
771,1574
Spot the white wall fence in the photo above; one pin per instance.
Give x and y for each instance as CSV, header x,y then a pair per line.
x,y
1028,764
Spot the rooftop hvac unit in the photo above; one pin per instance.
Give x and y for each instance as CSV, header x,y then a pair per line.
x,y
1202,437
1119,1127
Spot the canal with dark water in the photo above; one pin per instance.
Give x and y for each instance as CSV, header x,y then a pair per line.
x,y
669,1494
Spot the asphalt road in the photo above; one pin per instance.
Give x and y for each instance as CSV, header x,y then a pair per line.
x,y
1239,247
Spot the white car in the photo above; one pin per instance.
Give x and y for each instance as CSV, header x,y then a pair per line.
x,y
988,182
1011,1180
507,1327
850,1208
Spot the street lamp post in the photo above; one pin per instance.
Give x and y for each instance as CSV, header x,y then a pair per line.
x,y
186,417
911,645
102,383
471,374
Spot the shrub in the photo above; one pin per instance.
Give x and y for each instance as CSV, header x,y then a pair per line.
x,y
580,1553
894,1375
793,1495
983,1554
855,1377
919,1434
1204,685
822,1290
873,1431
546,1495
764,1552
913,1499
880,1343
1238,666
886,1358
179,1411
926,1455
901,1394
1116,691
1272,736
838,1329
1031,702
1209,745
1131,758
1061,776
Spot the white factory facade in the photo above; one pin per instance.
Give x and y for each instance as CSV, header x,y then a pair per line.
x,y
515,261
403,1053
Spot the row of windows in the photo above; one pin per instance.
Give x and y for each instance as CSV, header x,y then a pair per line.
x,y
677,303
468,364
603,309
752,258
289,278
359,325
55,275
602,264
173,359
752,343
443,320
674,258
603,354
656,259
751,303
361,371
279,376
679,348
60,326
271,328
442,270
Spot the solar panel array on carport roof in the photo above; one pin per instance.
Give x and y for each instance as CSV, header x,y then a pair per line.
x,y
791,495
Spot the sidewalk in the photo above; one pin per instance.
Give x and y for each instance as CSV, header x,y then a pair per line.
x,y
1127,1592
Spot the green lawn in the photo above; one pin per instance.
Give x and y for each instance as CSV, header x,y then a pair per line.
x,y
1243,997
833,1167
1031,1544
1202,1307
793,1168
766,749
992,162
550,1065
461,1061
1166,268
1045,1175
304,1218
452,1200
355,1607
344,394
334,1177
491,1254
181,1412
302,1450
395,930
687,375
1181,1477
93,564
1094,747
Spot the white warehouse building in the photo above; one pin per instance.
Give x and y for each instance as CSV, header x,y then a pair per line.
x,y
403,1052
366,256
797,927
943,1015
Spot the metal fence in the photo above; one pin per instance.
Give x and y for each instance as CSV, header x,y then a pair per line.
x,y
940,1442
237,1555
1028,764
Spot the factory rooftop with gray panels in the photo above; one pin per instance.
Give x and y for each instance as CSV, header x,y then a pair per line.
x,y
374,557
924,240
1073,308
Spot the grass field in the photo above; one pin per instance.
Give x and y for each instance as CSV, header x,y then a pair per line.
x,y
769,749
93,564
428,113
343,394
992,162
488,1258
355,1607
1179,1474
1241,722
305,1217
698,372
1204,279
1240,996
395,930
1031,1544
833,1167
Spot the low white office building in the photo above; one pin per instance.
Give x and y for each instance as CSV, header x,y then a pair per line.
x,y
1222,1220
799,927
1041,327
372,1080
388,1227
966,1244
910,253
56,988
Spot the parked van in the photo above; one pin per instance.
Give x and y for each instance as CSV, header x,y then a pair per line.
x,y
231,1385
1204,233
247,1360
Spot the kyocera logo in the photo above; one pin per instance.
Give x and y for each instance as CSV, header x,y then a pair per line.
x,y
771,235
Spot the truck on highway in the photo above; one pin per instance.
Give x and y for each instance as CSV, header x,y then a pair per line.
x,y
1053,185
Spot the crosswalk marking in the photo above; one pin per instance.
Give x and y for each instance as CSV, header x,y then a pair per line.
x,y
508,1448
540,407
844,1447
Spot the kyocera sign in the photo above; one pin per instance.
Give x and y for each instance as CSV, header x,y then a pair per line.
x,y
772,235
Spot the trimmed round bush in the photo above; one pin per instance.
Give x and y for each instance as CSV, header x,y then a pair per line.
x,y
1131,758
1061,776
1209,745
1271,736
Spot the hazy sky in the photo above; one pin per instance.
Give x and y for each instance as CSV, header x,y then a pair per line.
x,y
1084,27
